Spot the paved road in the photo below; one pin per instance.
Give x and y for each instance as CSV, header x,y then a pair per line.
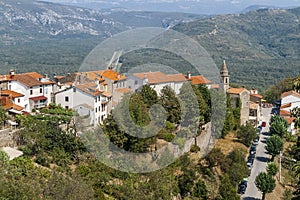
x,y
260,161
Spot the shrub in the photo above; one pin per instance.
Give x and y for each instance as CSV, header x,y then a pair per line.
x,y
195,148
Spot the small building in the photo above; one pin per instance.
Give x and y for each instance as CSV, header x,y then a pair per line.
x,y
156,80
241,95
37,90
290,100
87,100
200,80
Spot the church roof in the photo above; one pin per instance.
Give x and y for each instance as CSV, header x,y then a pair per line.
x,y
224,70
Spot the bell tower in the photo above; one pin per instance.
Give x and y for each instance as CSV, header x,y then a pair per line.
x,y
224,77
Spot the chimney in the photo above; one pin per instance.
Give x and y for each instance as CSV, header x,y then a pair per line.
x,y
46,76
188,75
11,73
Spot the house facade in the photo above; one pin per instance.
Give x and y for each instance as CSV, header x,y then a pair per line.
x,y
156,80
37,90
87,100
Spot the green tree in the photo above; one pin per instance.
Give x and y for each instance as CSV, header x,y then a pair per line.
x,y
265,183
274,92
278,126
272,169
229,118
246,134
3,115
274,145
227,191
149,96
4,159
171,104
200,190
186,182
138,110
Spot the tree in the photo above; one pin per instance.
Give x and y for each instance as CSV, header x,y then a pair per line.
x,y
229,118
3,115
149,96
278,126
171,104
297,83
246,133
265,183
4,159
200,190
227,191
272,169
274,145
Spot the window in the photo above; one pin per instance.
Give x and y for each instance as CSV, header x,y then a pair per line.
x,y
103,107
66,99
31,92
135,82
96,110
41,90
66,107
19,100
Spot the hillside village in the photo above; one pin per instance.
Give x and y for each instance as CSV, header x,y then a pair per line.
x,y
93,95
96,93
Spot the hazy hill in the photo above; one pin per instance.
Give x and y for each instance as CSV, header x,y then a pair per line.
x,y
261,46
55,38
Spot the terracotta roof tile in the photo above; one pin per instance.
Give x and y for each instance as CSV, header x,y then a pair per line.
x,y
215,86
89,88
257,95
11,93
27,80
290,120
199,80
292,92
123,90
287,105
113,75
34,75
159,77
7,104
284,113
177,77
236,90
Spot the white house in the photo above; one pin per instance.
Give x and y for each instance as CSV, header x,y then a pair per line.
x,y
87,100
156,80
37,90
290,100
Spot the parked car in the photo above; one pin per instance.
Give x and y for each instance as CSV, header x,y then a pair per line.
x,y
251,156
255,141
242,187
253,149
263,124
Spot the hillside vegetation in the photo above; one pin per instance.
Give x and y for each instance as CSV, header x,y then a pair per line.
x,y
261,46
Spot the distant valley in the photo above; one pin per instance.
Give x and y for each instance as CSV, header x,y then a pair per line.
x,y
260,46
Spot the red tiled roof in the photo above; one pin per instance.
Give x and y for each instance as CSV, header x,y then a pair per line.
x,y
236,90
284,113
159,77
89,88
33,75
290,120
177,77
123,90
38,98
286,105
11,93
113,75
257,95
7,104
292,92
199,80
27,80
